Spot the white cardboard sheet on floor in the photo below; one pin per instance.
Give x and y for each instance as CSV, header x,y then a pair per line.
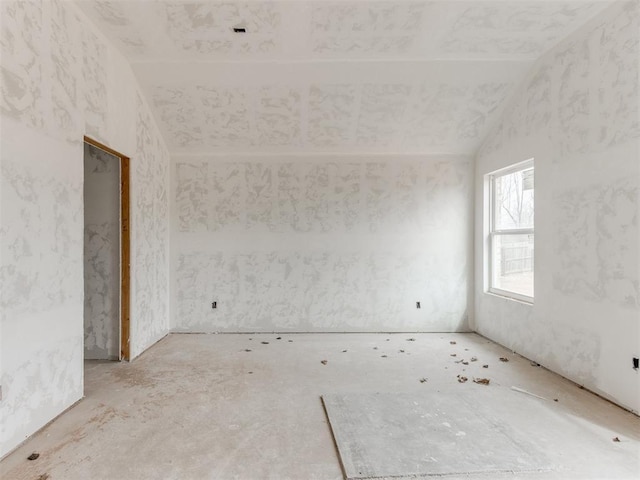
x,y
416,435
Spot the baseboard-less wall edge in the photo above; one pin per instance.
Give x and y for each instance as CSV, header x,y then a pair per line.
x,y
161,337
41,428
339,332
599,394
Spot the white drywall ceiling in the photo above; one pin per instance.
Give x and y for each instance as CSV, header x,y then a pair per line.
x,y
316,76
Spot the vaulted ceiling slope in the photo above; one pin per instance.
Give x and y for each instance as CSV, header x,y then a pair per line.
x,y
319,76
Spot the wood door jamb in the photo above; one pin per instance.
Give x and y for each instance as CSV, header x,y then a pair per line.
x,y
125,248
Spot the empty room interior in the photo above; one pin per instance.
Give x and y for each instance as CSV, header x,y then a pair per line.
x,y
295,239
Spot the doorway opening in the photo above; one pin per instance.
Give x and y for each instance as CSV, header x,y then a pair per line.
x,y
106,253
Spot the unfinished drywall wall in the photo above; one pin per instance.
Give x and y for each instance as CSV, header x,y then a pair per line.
x,y
321,243
577,114
61,80
101,254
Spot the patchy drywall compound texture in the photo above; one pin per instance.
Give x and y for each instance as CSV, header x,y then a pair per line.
x,y
191,197
21,70
322,245
176,109
94,76
278,116
567,96
583,92
188,21
50,380
61,80
382,108
42,254
618,59
226,202
573,98
331,114
324,291
443,113
65,54
597,242
408,114
525,28
225,115
150,218
365,28
577,114
41,274
101,312
101,254
172,30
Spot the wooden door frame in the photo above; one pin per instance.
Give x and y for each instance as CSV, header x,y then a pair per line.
x,y
125,248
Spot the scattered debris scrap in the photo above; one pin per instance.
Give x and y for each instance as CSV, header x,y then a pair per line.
x,y
423,380
400,351
278,338
474,359
464,362
453,355
344,351
33,456
504,359
452,342
290,341
383,356
375,348
616,439
411,339
462,378
44,476
481,381
249,373
555,399
247,349
535,364
324,362
265,343
485,366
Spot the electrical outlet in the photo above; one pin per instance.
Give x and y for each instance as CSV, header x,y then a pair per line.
x,y
636,363
417,304
214,304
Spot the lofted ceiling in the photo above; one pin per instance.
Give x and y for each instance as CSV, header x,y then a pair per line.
x,y
320,76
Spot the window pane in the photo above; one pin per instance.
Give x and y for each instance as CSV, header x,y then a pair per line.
x,y
514,200
513,263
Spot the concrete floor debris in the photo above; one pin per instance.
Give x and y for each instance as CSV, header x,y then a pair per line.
x,y
197,406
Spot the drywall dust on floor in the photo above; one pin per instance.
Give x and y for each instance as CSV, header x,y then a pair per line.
x,y
249,407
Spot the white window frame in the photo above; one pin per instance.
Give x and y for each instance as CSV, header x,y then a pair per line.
x,y
493,232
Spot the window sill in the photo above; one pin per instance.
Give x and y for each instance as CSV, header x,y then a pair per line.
x,y
507,296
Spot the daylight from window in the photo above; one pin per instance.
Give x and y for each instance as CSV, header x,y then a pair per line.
x,y
511,236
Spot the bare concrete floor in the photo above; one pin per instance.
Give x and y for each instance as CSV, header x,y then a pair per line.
x,y
235,407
